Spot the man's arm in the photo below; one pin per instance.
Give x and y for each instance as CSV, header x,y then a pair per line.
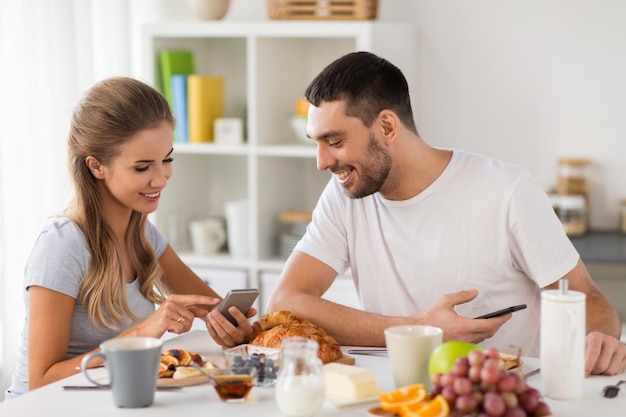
x,y
305,279
303,282
604,353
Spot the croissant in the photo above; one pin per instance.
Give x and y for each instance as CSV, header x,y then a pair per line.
x,y
272,328
173,358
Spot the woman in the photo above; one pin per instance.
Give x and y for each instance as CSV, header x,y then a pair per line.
x,y
97,272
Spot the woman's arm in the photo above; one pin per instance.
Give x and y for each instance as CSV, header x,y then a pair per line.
x,y
49,323
181,279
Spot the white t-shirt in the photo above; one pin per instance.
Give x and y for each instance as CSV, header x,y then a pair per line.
x,y
482,224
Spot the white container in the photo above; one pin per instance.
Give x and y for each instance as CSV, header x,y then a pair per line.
x,y
237,229
562,346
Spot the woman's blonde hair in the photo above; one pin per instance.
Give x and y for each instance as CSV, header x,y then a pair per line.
x,y
109,114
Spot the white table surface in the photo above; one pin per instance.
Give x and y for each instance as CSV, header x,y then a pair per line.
x,y
202,400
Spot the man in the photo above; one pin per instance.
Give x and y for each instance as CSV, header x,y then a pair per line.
x,y
431,236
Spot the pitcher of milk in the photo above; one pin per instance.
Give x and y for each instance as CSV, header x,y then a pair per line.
x,y
562,345
300,387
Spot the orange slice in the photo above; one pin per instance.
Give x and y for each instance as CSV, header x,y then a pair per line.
x,y
437,407
402,398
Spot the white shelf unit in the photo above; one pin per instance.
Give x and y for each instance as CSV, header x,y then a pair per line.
x,y
266,66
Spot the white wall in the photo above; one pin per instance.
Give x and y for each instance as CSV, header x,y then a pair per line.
x,y
529,82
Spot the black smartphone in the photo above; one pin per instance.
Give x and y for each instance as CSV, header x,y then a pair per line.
x,y
501,312
242,299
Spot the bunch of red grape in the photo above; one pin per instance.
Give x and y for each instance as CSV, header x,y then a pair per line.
x,y
475,386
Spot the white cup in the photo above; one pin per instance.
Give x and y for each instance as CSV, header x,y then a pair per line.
x,y
208,235
237,228
409,348
133,367
562,343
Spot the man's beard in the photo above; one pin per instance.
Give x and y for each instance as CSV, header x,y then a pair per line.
x,y
378,166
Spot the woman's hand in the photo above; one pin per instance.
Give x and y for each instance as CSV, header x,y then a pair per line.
x,y
174,315
223,331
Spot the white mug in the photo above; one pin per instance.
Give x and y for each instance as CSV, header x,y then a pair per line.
x,y
409,348
208,235
133,367
562,343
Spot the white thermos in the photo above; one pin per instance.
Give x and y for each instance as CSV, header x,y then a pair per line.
x,y
562,351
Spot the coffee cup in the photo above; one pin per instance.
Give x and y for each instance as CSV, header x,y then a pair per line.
x,y
133,367
409,348
208,235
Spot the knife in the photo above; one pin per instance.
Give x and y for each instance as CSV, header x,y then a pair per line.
x,y
95,387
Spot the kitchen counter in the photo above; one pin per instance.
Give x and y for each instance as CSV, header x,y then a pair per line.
x,y
601,247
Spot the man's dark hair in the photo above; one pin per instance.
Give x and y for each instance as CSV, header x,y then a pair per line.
x,y
368,84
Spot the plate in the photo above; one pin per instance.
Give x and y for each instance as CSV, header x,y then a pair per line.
x,y
183,382
340,402
379,412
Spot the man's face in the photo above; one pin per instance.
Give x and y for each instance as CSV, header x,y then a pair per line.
x,y
347,148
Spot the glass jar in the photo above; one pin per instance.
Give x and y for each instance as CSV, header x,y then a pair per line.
x,y
573,214
571,176
300,388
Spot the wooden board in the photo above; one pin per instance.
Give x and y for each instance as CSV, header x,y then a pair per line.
x,y
346,359
184,382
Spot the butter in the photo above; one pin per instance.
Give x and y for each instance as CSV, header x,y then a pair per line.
x,y
348,381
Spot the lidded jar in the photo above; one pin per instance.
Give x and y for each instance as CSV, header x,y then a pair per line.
x,y
300,387
571,176
573,214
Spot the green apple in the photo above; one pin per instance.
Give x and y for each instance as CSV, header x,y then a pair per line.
x,y
443,357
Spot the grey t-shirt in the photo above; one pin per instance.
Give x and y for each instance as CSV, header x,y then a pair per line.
x,y
59,261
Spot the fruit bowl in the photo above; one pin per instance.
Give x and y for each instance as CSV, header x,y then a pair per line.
x,y
298,124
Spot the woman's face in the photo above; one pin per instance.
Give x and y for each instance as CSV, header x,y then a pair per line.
x,y
135,178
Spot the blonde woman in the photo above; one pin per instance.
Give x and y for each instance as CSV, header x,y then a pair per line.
x,y
97,271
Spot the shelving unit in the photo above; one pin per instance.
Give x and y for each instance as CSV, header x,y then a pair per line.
x,y
266,66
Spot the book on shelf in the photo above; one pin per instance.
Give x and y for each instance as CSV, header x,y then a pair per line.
x,y
179,106
173,62
205,103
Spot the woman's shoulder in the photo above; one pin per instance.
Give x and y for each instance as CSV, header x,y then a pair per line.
x,y
62,225
62,229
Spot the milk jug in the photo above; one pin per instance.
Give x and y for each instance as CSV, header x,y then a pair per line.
x,y
300,387
562,345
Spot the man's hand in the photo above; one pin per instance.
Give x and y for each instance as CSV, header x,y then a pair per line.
x,y
604,354
222,330
455,327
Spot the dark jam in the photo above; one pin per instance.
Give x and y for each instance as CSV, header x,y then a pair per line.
x,y
233,387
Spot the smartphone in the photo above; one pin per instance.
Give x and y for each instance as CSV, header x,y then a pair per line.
x,y
242,299
501,312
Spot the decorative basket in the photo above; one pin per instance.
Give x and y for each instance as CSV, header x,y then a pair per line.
x,y
322,9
